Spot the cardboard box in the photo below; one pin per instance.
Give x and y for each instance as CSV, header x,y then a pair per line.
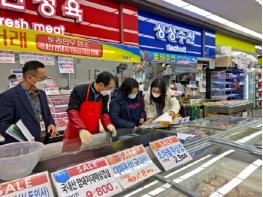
x,y
224,50
192,91
224,61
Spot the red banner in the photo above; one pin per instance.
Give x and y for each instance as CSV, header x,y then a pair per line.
x,y
92,19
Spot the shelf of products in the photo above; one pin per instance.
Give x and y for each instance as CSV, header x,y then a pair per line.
x,y
58,107
258,96
227,84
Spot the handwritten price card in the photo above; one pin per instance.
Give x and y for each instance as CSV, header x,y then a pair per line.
x,y
132,166
170,152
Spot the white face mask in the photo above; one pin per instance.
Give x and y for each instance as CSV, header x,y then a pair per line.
x,y
39,86
156,95
105,92
132,96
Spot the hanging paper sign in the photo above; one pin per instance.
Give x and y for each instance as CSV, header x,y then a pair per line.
x,y
48,60
132,166
7,57
51,89
35,185
91,179
66,65
18,72
170,152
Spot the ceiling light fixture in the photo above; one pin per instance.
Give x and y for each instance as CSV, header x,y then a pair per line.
x,y
197,10
218,19
177,3
259,1
214,17
259,47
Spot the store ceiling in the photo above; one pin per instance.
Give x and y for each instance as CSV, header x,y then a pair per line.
x,y
247,13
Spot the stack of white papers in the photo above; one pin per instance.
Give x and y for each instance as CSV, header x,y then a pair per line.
x,y
160,122
20,132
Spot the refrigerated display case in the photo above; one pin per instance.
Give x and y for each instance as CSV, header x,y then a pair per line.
x,y
228,107
58,106
212,164
147,189
218,126
250,86
222,122
218,170
258,89
218,85
225,84
251,135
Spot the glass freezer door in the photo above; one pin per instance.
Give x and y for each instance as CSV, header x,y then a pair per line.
x,y
220,171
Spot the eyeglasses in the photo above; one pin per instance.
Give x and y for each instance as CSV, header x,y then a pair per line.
x,y
40,78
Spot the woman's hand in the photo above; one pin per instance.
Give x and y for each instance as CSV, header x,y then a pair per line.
x,y
172,114
141,121
148,122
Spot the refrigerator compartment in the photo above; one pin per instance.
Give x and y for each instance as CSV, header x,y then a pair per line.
x,y
60,115
198,132
60,108
59,100
151,187
217,175
223,122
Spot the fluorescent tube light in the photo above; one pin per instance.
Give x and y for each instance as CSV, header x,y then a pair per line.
x,y
177,3
218,19
259,47
197,10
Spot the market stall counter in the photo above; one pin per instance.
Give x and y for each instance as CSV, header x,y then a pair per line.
x,y
56,159
250,135
218,170
229,107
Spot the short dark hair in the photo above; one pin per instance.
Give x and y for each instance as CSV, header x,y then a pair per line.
x,y
13,76
159,83
127,86
105,78
32,66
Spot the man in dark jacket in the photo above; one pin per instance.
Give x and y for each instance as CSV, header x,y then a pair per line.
x,y
127,106
28,103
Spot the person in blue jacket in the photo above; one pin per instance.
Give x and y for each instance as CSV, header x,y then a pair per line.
x,y
127,105
27,102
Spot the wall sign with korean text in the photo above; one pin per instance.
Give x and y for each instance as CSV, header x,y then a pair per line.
x,y
83,18
157,33
90,179
35,185
132,166
170,152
